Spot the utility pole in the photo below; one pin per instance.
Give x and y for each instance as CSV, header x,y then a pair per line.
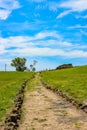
x,y
5,67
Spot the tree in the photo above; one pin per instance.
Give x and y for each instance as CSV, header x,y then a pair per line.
x,y
19,64
33,69
32,66
34,62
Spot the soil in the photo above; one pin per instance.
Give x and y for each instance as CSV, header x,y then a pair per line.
x,y
44,110
1,125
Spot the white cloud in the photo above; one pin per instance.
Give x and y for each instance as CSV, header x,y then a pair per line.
x,y
36,51
63,14
43,39
45,34
75,5
76,54
42,44
6,7
9,4
78,27
79,16
71,6
4,14
27,41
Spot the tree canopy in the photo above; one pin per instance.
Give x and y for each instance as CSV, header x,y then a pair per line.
x,y
19,64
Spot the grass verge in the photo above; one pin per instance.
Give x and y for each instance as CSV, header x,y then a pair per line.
x,y
10,83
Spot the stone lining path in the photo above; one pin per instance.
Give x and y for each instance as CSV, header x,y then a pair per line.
x,y
44,110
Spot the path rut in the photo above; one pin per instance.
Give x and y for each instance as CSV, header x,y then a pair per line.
x,y
44,110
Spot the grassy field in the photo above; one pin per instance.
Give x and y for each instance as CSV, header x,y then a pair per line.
x,y
72,81
10,83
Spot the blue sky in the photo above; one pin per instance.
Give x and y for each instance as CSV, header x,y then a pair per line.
x,y
52,32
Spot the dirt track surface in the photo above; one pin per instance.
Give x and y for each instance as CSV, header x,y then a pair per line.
x,y
44,110
1,125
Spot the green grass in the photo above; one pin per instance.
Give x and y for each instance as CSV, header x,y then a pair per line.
x,y
10,83
72,81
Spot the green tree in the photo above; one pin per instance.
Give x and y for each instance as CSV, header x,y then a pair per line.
x,y
19,64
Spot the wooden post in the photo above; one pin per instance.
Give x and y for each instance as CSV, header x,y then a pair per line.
x,y
5,67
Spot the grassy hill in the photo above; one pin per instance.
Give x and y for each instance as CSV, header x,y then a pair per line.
x,y
72,81
10,83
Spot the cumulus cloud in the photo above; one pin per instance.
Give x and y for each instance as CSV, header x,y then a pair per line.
x,y
6,7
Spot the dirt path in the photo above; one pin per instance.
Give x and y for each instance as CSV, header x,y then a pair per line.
x,y
44,110
1,125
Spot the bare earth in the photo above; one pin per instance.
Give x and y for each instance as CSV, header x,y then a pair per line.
x,y
1,125
44,110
